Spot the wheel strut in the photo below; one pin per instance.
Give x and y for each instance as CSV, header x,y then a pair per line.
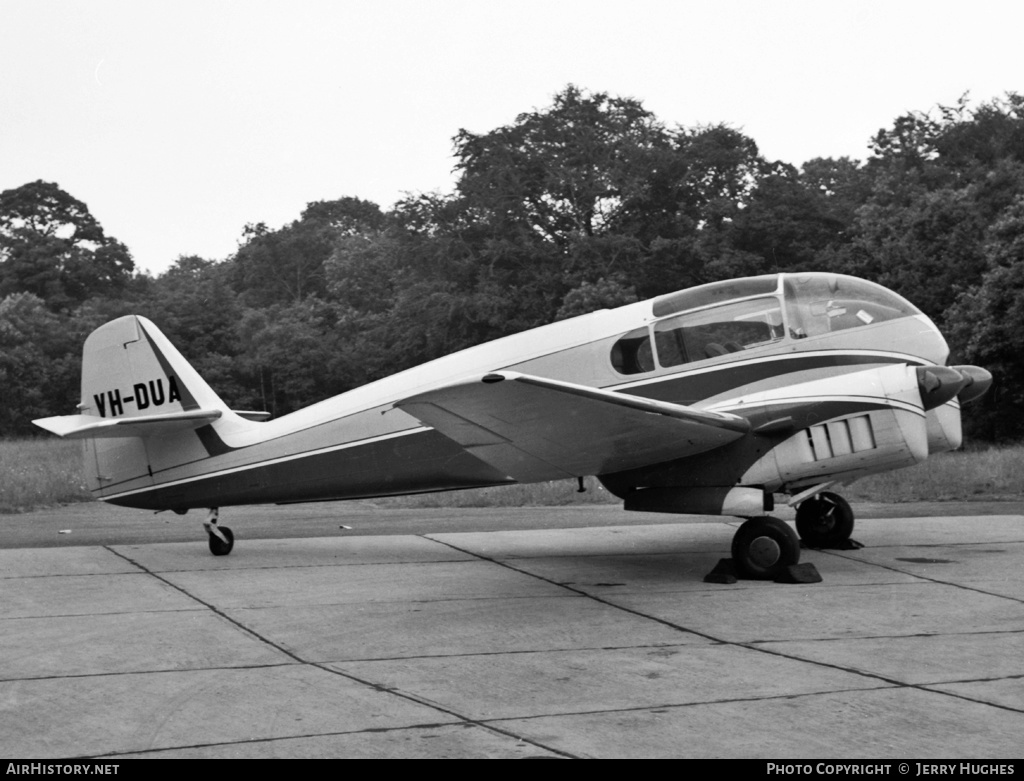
x,y
222,540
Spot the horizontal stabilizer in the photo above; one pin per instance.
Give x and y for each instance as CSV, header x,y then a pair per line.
x,y
90,426
532,428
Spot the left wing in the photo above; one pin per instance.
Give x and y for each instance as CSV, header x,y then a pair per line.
x,y
533,429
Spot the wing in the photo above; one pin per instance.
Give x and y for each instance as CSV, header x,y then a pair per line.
x,y
533,429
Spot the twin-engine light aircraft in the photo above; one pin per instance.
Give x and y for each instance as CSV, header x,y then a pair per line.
x,y
706,401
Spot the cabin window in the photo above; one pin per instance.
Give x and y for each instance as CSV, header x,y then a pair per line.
x,y
717,331
633,353
825,303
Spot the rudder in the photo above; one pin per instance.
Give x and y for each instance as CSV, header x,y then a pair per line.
x,y
130,369
141,404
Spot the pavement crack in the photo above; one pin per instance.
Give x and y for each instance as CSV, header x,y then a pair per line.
x,y
582,593
462,718
212,608
926,578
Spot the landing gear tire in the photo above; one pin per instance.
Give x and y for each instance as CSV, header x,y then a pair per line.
x,y
217,546
826,521
763,548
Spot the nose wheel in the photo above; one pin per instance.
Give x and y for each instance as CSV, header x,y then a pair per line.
x,y
763,548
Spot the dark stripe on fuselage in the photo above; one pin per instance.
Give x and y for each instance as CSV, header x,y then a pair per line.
x,y
690,388
215,446
421,461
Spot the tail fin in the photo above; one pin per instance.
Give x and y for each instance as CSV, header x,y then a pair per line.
x,y
141,402
135,383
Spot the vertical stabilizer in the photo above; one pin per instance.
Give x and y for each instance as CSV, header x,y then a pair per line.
x,y
130,369
143,408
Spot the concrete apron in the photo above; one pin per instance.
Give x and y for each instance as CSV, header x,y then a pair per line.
x,y
600,642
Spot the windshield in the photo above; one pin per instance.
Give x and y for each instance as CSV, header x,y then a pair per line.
x,y
826,303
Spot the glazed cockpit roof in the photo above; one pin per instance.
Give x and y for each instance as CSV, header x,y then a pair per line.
x,y
824,284
715,293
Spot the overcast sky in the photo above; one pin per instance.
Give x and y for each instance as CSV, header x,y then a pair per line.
x,y
179,122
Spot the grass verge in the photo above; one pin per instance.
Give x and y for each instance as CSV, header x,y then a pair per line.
x,y
993,473
37,473
40,473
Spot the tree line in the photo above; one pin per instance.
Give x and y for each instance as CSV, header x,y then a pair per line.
x,y
590,202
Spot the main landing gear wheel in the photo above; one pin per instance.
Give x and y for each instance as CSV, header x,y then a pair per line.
x,y
217,546
826,521
763,548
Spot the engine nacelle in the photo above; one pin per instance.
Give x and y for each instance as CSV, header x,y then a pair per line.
x,y
890,430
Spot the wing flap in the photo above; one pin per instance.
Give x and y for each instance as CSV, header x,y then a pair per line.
x,y
86,426
532,428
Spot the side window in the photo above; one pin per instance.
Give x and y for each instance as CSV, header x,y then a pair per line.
x,y
633,353
718,331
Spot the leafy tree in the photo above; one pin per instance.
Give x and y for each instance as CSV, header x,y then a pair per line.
x,y
287,265
51,246
194,304
974,141
987,328
786,223
501,282
926,251
589,297
361,272
290,351
595,187
702,187
938,184
40,363
347,216
582,186
577,168
720,170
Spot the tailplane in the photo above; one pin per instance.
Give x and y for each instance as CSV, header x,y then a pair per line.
x,y
143,408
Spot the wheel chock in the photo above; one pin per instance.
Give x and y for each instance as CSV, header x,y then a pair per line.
x,y
800,573
724,572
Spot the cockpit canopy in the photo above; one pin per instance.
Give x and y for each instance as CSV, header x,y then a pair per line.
x,y
727,317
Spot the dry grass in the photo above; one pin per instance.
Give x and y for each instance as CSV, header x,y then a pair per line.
x,y
38,473
990,473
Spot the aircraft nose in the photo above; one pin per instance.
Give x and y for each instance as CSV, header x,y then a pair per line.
x,y
939,384
978,382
